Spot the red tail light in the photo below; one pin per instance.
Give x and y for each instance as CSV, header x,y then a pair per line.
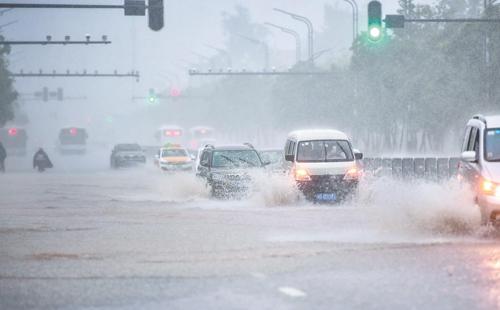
x,y
12,132
172,133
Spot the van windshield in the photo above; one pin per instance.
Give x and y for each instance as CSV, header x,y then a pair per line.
x,y
324,151
492,144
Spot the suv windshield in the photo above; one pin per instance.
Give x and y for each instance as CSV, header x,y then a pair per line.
x,y
174,153
128,147
235,158
492,144
324,151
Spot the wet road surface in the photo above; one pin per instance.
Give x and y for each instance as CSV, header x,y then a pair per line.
x,y
143,239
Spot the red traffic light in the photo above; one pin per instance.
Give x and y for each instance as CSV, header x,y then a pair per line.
x,y
12,132
175,92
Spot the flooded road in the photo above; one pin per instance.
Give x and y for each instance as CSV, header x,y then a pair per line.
x,y
143,239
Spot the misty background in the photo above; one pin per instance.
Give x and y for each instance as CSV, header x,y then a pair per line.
x,y
411,93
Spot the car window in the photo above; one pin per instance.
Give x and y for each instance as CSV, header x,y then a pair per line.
x,y
492,144
324,151
466,139
472,139
205,158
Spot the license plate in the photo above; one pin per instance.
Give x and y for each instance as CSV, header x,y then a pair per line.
x,y
326,196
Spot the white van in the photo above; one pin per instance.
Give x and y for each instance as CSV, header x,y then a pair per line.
x,y
323,164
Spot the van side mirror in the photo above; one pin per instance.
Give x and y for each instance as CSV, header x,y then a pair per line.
x,y
357,154
469,156
289,158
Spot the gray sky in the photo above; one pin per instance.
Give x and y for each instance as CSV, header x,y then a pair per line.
x,y
159,56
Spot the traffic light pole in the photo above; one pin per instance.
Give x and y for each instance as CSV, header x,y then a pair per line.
x,y
58,6
53,42
134,74
398,21
454,20
130,7
292,73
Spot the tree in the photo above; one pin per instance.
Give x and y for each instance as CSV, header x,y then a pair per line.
x,y
239,24
7,94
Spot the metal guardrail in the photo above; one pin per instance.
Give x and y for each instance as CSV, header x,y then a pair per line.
x,y
433,168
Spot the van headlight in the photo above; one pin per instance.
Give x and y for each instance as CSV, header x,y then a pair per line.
x,y
352,174
302,174
490,188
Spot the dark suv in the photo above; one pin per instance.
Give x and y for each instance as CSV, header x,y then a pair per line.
x,y
227,169
124,155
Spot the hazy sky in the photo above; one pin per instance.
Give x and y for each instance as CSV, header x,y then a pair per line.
x,y
160,56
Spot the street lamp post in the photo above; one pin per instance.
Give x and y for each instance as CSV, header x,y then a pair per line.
x,y
261,43
295,35
355,16
310,31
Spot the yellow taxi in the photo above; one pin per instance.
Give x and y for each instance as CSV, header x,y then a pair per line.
x,y
173,157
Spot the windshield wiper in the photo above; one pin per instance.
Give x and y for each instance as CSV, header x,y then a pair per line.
x,y
247,162
229,160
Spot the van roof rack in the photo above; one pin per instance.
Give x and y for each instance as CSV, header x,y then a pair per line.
x,y
480,117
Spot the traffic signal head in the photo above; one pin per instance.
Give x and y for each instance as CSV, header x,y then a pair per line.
x,y
175,92
155,14
152,98
374,21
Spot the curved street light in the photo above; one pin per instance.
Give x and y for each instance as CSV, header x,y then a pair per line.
x,y
354,19
295,34
310,31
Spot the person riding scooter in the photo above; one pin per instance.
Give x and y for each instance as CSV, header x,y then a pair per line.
x,y
3,155
41,160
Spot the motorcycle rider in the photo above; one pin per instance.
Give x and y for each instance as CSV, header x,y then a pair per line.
x,y
3,155
41,160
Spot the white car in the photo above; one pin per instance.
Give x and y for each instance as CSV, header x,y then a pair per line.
x,y
323,164
480,164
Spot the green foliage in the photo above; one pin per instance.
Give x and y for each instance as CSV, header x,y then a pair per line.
x,y
411,91
7,93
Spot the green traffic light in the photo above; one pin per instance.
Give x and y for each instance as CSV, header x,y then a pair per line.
x,y
375,33
152,98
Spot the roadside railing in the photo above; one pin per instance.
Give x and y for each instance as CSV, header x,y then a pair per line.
x,y
432,168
